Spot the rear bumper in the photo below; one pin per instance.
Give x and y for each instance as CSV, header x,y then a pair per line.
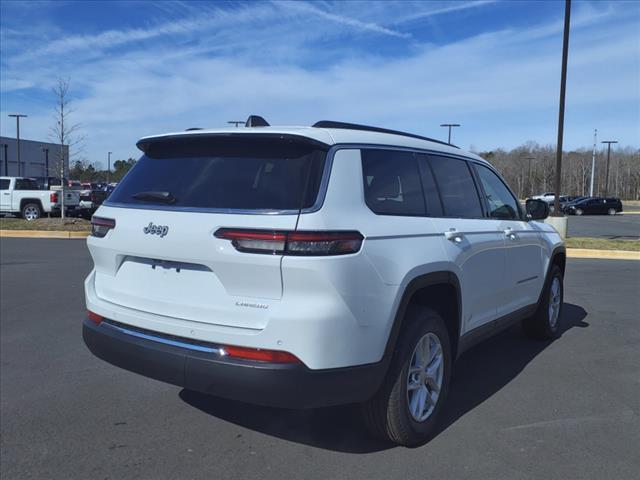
x,y
269,384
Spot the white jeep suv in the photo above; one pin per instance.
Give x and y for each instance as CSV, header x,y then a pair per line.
x,y
303,267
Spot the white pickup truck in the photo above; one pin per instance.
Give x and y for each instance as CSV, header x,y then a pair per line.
x,y
22,196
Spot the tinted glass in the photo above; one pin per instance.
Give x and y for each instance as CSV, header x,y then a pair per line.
x,y
4,184
392,183
26,184
456,186
499,199
434,207
227,172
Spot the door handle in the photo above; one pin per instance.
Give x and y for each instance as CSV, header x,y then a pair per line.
x,y
453,235
509,233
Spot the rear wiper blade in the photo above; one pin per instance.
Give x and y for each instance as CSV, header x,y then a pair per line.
x,y
164,197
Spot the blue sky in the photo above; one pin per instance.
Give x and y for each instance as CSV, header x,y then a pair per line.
x,y
139,68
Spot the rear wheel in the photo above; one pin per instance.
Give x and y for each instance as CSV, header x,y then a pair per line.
x,y
31,211
611,211
410,401
545,323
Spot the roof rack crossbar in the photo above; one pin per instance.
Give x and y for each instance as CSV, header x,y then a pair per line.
x,y
355,126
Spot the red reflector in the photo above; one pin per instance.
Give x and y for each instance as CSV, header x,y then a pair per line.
x,y
94,317
261,355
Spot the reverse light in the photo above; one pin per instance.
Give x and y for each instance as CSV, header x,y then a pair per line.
x,y
94,317
260,355
100,226
282,242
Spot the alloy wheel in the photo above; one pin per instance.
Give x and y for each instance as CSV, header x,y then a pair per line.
x,y
424,379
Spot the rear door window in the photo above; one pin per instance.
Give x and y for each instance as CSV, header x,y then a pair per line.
x,y
4,184
26,184
392,182
457,187
234,172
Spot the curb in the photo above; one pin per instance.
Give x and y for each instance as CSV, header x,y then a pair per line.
x,y
602,254
42,234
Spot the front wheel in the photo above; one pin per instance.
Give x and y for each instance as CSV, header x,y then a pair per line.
x,y
407,407
31,211
545,323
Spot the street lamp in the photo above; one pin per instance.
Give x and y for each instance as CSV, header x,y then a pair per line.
x,y
46,162
5,147
236,122
18,116
529,174
563,88
108,167
450,125
606,181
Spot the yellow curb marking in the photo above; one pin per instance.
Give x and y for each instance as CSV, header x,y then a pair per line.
x,y
602,254
42,234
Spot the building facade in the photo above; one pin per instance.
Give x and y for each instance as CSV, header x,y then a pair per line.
x,y
37,159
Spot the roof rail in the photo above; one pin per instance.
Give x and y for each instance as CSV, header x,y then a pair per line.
x,y
355,126
193,128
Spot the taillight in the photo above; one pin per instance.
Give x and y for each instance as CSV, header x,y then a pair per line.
x,y
53,197
260,355
94,317
100,226
292,242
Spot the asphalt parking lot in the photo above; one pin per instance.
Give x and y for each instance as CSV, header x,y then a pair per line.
x,y
625,226
518,408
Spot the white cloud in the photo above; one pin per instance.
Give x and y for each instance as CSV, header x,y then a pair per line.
x,y
501,85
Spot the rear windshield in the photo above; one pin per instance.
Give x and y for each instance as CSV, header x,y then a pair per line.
x,y
225,172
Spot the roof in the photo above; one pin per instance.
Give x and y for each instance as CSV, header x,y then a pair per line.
x,y
329,136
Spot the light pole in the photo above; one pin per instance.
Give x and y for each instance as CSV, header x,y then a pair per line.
x,y
593,160
606,178
450,125
563,87
108,167
529,175
236,122
6,159
18,116
46,162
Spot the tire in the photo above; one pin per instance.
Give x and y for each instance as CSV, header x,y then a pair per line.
x,y
611,211
579,211
545,323
387,415
31,211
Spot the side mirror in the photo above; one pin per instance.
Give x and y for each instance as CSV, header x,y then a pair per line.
x,y
536,209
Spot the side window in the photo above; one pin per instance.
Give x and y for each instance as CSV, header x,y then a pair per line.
x,y
501,203
26,184
392,183
457,188
4,184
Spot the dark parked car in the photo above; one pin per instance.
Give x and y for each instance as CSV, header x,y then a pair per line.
x,y
594,206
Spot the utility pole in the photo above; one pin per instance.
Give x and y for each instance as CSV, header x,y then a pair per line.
x,y
529,175
450,125
606,179
6,159
236,122
46,162
18,116
563,87
108,167
593,160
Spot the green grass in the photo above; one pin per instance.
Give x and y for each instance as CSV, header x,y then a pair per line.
x,y
47,224
603,244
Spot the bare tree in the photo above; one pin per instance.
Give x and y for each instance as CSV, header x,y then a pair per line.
x,y
64,133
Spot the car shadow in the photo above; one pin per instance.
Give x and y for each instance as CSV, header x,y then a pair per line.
x,y
479,373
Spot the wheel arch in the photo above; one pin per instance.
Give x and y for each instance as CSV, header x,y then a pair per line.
x,y
438,290
25,201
